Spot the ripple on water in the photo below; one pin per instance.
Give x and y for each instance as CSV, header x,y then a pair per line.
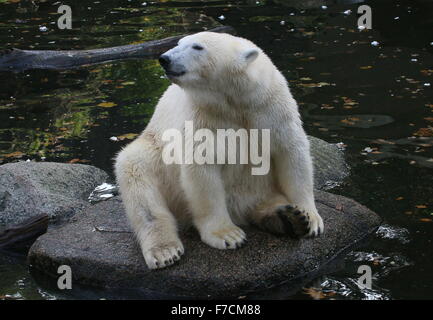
x,y
393,233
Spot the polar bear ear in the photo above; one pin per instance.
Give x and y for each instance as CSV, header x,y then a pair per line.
x,y
250,55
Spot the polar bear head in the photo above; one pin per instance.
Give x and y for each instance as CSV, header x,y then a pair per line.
x,y
207,59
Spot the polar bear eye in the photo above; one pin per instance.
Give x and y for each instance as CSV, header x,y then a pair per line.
x,y
197,47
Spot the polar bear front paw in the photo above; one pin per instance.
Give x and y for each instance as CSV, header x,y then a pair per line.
x,y
163,255
231,237
316,226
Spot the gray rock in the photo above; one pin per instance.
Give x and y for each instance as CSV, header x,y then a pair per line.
x,y
30,189
330,168
100,248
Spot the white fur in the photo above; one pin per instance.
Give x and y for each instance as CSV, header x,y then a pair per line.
x,y
231,83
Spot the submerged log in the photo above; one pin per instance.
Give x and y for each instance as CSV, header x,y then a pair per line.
x,y
17,60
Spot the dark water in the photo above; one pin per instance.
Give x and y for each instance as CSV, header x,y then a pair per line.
x,y
376,100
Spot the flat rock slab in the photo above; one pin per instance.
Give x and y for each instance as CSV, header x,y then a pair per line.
x,y
31,189
100,248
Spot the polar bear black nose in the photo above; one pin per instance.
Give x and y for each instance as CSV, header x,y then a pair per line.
x,y
164,60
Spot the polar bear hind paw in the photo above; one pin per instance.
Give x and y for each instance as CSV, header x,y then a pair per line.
x,y
294,222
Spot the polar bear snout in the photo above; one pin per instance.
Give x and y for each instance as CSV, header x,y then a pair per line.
x,y
171,69
164,61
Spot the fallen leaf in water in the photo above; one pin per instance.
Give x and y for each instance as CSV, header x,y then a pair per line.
x,y
376,262
427,72
365,67
345,121
425,220
315,85
308,59
128,136
412,81
350,121
382,141
318,294
107,104
327,106
314,293
420,206
399,198
430,119
424,132
79,160
16,154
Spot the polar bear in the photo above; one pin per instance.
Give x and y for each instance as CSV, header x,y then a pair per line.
x,y
219,81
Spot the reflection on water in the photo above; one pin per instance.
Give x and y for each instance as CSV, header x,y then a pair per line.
x,y
375,102
393,233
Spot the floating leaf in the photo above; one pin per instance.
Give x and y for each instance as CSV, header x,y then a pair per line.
x,y
79,160
424,132
128,83
425,220
315,85
382,141
327,106
421,206
128,136
318,294
315,293
427,72
16,154
107,104
350,121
